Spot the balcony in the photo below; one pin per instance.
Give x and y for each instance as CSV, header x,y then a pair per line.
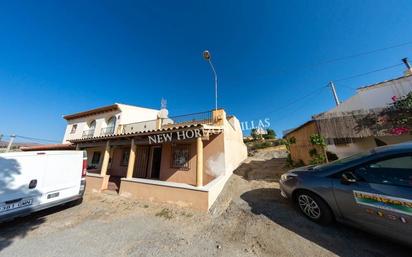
x,y
88,133
140,126
107,131
194,118
148,125
187,119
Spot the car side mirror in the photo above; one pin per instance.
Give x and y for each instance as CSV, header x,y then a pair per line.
x,y
348,178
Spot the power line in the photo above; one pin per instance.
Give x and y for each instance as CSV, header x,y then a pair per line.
x,y
338,59
37,139
295,110
362,53
369,72
297,100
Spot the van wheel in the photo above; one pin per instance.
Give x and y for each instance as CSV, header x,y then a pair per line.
x,y
314,207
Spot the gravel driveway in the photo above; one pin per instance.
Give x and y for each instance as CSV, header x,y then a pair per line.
x,y
249,219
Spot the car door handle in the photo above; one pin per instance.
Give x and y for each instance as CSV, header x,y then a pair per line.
x,y
33,184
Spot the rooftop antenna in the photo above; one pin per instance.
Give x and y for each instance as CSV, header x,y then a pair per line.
x,y
163,103
164,113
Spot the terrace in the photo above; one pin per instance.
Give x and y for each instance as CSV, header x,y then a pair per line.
x,y
205,118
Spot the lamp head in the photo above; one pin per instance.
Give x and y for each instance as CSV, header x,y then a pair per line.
x,y
206,55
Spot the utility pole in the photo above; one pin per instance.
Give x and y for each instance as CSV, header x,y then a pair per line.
x,y
12,137
335,95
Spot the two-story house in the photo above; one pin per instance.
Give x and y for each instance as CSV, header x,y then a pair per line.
x,y
146,154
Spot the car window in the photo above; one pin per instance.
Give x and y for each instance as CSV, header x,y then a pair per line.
x,y
404,162
345,160
390,171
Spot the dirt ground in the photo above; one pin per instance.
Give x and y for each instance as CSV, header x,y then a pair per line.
x,y
249,219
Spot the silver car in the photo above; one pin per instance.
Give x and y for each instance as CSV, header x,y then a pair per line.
x,y
371,190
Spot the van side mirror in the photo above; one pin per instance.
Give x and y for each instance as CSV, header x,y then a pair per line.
x,y
348,178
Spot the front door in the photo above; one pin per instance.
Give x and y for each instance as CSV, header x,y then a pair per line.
x,y
156,160
378,196
142,160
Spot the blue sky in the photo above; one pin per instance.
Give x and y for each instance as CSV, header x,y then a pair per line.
x,y
61,57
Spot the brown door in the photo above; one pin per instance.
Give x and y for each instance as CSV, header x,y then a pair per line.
x,y
142,160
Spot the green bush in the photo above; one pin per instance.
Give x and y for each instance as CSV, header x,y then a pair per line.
x,y
289,160
262,145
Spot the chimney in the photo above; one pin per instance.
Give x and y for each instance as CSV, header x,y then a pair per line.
x,y
408,67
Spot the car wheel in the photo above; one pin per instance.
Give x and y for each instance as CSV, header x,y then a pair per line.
x,y
314,208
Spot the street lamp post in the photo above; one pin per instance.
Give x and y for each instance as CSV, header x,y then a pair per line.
x,y
208,57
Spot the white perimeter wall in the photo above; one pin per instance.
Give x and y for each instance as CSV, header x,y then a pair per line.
x,y
235,153
365,144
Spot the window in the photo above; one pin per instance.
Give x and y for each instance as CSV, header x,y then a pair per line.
x,y
74,127
180,157
96,158
92,125
111,123
125,158
389,171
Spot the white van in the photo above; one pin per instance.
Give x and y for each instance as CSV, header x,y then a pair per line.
x,y
33,181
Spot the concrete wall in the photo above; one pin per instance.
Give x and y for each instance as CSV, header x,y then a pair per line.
x,y
167,173
365,144
235,152
131,114
395,139
116,169
214,156
95,183
361,145
235,149
183,197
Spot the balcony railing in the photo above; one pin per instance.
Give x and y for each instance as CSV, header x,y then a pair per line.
x,y
187,119
194,118
88,133
107,131
200,117
140,126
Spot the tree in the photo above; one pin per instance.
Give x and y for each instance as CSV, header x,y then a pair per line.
x,y
271,134
254,134
287,142
318,140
